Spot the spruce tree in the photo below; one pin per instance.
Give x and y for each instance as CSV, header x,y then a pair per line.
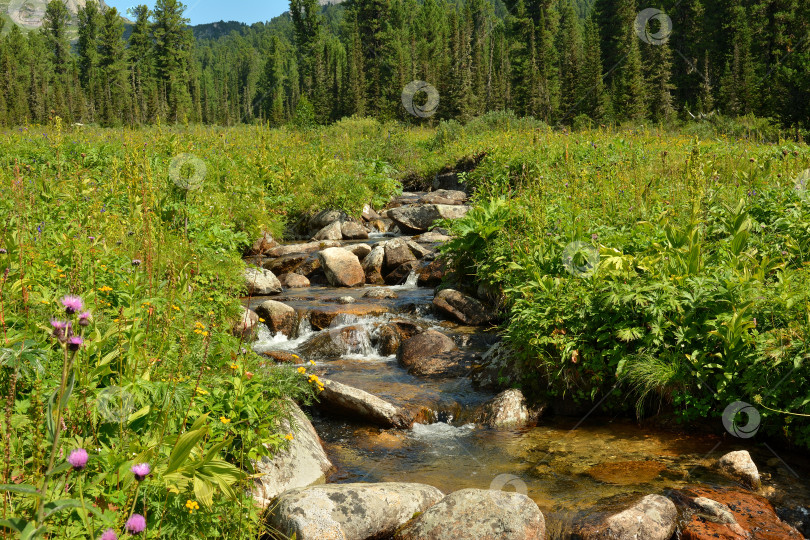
x,y
173,44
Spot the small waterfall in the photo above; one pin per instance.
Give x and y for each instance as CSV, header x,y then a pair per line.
x,y
410,282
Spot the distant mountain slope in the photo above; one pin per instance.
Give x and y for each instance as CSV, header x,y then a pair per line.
x,y
28,14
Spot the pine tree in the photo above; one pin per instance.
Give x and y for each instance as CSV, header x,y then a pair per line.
x,y
571,61
112,63
629,99
173,44
87,47
592,86
140,57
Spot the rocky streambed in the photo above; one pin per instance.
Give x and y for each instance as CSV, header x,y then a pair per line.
x,y
417,436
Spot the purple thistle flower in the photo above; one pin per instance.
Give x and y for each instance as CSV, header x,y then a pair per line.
x,y
74,343
60,329
72,304
78,459
141,471
109,534
136,524
594,236
3,251
136,262
84,318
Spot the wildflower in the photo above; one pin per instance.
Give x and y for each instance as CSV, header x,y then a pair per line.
x,y
141,471
302,370
105,289
72,304
234,366
224,420
261,320
249,375
312,362
136,524
74,342
594,236
60,329
3,251
109,534
136,262
289,436
192,505
78,459
84,318
175,308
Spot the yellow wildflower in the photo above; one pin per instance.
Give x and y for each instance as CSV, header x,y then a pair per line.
x,y
312,362
289,436
224,420
175,308
192,505
234,366
302,370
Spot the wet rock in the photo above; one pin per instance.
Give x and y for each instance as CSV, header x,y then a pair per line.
x,y
310,267
380,293
401,273
478,514
333,231
372,265
282,357
654,517
353,231
261,282
369,214
360,405
432,198
342,267
397,253
323,316
507,409
421,218
286,264
262,245
278,317
431,273
382,225
391,336
425,354
707,513
350,511
452,194
246,325
359,250
324,218
625,473
461,307
293,281
301,464
308,247
336,343
345,300
740,466
433,237
420,252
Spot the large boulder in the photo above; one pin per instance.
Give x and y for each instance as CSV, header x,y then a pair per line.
x,y
369,214
350,511
324,316
463,308
478,514
391,335
507,409
278,317
353,231
286,263
726,514
245,326
373,264
293,281
308,247
261,282
654,517
400,275
397,253
360,405
431,273
380,293
360,250
740,466
324,218
428,354
342,268
301,464
330,232
419,218
433,237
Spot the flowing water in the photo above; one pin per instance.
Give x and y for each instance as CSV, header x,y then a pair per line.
x,y
568,466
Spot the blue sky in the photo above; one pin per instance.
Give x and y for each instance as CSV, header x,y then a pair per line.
x,y
206,11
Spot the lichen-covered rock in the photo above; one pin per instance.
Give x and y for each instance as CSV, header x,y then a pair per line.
x,y
350,511
654,517
278,317
360,405
401,273
433,237
430,354
286,264
397,253
740,466
380,293
293,281
478,514
507,409
324,218
463,308
308,247
359,250
333,231
301,464
419,218
342,267
261,282
372,265
353,231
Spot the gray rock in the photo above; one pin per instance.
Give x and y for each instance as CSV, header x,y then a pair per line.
x,y
654,517
360,250
324,218
342,267
347,300
452,194
421,217
286,264
278,317
740,466
245,326
400,274
261,282
350,511
420,252
397,253
717,512
432,237
301,464
353,231
478,514
507,409
360,405
461,307
423,353
380,293
372,265
308,247
369,214
293,281
333,231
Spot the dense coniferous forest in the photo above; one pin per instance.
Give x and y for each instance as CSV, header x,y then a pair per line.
x,y
561,61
